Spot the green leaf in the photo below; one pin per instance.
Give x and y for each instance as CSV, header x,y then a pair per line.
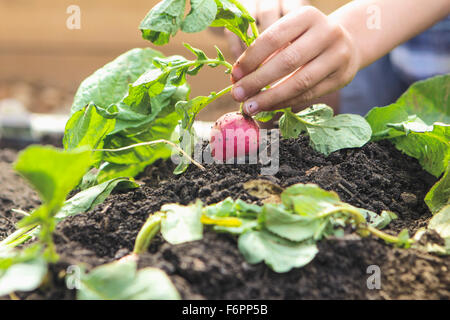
x,y
265,116
439,194
290,125
21,270
86,200
109,84
52,172
121,281
327,134
202,14
309,199
441,224
279,254
182,223
382,220
431,148
232,18
163,21
288,225
87,128
427,100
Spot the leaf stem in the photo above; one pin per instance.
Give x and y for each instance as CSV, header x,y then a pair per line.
x,y
149,143
148,231
384,236
16,235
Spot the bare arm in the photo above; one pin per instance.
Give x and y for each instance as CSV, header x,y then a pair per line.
x,y
398,21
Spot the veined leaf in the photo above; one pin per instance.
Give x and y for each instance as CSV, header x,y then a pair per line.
x,y
431,148
232,18
326,133
52,172
280,254
80,131
121,281
202,14
109,84
427,100
163,21
86,200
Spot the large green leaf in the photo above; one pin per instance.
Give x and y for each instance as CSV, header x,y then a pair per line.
x,y
109,84
167,17
428,100
431,148
53,172
88,127
86,200
121,281
280,254
326,133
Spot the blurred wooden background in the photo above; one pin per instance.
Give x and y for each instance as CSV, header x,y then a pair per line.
x,y
37,47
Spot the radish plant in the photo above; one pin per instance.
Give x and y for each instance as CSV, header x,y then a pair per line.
x,y
282,234
142,96
124,118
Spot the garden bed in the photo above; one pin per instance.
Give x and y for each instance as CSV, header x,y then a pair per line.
x,y
376,177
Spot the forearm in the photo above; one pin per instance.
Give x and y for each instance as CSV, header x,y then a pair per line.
x,y
378,26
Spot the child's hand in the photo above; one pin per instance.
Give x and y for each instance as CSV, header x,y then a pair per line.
x,y
266,13
306,54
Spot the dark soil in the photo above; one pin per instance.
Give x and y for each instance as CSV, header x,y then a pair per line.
x,y
375,177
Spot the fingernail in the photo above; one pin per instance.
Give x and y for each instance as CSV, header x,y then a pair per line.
x,y
237,73
251,108
238,93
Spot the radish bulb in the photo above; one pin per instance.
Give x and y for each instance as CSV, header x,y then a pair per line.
x,y
234,135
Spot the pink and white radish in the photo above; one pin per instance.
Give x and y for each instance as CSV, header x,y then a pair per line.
x,y
234,135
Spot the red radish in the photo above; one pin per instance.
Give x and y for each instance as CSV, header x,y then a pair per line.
x,y
234,136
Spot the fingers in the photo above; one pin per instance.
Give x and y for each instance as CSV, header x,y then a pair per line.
x,y
278,35
303,50
299,83
323,88
268,13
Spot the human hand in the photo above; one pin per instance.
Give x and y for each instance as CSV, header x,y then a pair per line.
x,y
306,55
266,13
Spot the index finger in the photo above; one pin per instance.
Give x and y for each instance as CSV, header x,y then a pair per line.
x,y
275,37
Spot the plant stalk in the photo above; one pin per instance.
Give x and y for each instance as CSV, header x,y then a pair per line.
x,y
148,231
149,143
